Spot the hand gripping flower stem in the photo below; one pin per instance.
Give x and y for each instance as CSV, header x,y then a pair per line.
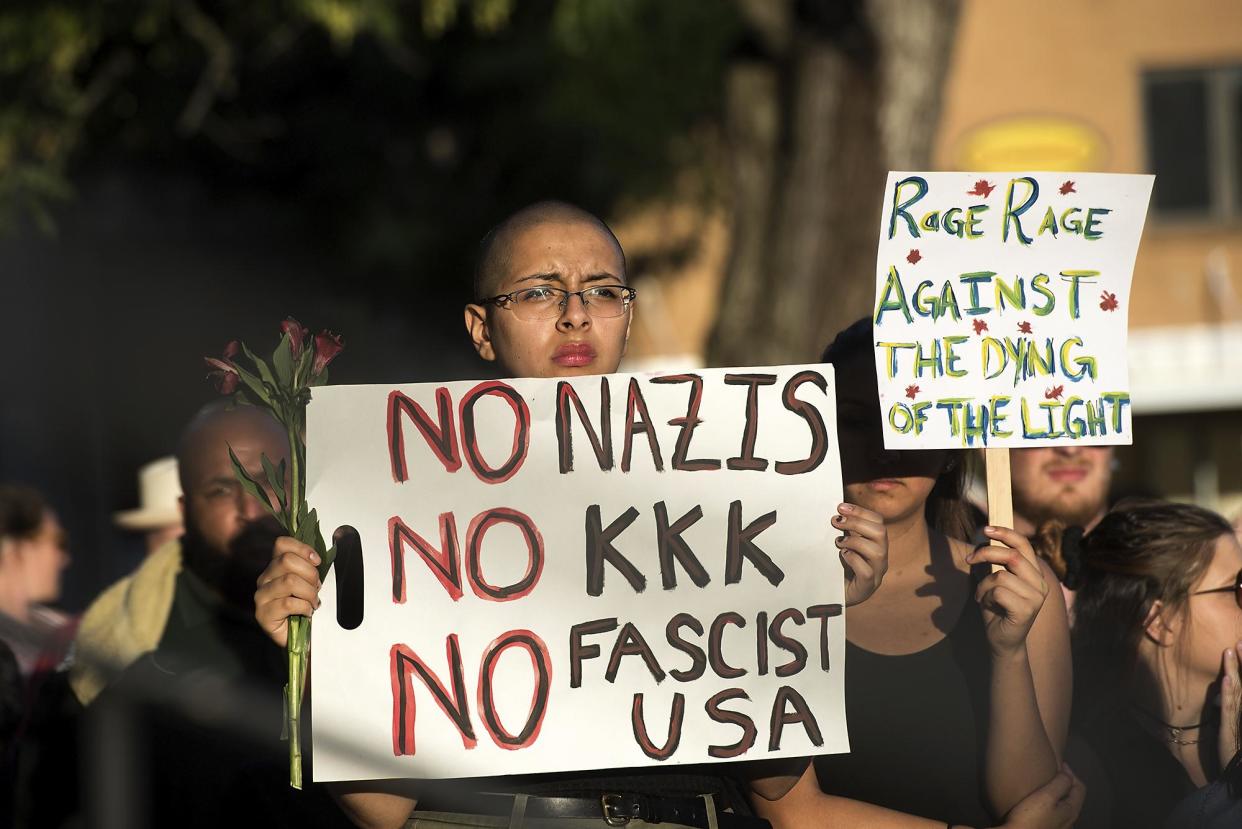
x,y
283,388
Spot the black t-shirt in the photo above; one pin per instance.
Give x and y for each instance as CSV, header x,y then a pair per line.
x,y
917,725
1132,779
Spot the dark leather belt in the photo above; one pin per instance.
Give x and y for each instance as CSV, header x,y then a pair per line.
x,y
613,809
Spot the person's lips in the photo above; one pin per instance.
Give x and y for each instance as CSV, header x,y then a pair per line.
x,y
574,354
883,484
1067,474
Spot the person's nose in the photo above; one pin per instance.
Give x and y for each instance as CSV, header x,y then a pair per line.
x,y
574,313
250,508
1069,451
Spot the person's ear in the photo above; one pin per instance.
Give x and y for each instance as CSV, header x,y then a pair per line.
x,y
480,334
1159,626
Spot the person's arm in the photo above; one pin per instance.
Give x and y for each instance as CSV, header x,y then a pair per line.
x,y
375,804
1028,631
1053,806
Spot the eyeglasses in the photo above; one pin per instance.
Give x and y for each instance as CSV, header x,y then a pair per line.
x,y
1235,588
545,302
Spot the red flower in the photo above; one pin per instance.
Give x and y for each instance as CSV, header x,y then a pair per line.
x,y
1068,187
297,335
1054,393
980,326
1024,327
914,256
222,371
1108,301
912,391
327,346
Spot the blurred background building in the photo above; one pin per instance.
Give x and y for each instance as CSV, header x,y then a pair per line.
x,y
174,175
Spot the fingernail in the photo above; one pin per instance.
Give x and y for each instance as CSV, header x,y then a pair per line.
x,y
989,529
314,558
836,519
846,508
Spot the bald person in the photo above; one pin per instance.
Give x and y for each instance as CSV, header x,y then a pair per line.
x,y
193,590
174,648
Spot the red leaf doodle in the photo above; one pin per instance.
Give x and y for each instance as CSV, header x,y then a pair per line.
x,y
983,187
980,326
914,256
1054,393
1068,187
912,391
1024,327
1108,301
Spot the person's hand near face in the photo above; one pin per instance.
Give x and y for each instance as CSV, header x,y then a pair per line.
x,y
864,550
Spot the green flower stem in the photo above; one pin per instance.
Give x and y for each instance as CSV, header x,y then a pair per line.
x,y
298,646
298,650
295,476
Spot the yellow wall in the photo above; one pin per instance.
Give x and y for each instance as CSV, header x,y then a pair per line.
x,y
1082,62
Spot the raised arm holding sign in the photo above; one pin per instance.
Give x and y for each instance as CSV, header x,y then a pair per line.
x,y
695,619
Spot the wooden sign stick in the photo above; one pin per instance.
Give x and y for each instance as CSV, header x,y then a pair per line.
x,y
1000,491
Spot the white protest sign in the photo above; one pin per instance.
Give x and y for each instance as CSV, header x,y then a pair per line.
x,y
1001,305
575,574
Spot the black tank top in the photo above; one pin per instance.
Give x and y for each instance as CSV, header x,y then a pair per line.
x,y
917,724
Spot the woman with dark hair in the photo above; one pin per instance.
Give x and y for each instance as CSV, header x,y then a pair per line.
x,y
1158,619
957,682
33,553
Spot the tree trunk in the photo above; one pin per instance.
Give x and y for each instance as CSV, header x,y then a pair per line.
x,y
841,93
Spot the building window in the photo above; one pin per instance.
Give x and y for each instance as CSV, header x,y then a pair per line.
x,y
1194,141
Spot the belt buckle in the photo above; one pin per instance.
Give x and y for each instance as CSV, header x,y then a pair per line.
x,y
610,803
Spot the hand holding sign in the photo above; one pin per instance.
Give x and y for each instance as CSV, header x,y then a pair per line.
x,y
1012,595
864,550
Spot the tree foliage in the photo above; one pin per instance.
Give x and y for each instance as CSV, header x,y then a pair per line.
x,y
393,131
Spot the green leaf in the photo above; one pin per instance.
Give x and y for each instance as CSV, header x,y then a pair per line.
x,y
321,380
260,366
276,480
282,362
258,391
325,562
251,485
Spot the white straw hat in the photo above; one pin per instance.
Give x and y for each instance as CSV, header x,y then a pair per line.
x,y
159,489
